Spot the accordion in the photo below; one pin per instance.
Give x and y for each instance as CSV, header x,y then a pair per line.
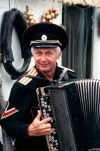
x,y
75,108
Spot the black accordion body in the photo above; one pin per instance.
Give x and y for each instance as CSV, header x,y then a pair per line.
x,y
75,109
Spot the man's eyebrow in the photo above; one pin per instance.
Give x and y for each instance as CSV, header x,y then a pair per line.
x,y
37,50
49,51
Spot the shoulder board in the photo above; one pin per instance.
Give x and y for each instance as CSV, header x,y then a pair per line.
x,y
26,80
66,68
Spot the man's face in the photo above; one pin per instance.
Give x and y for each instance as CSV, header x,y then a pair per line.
x,y
45,59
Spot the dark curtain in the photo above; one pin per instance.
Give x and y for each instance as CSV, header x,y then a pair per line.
x,y
77,55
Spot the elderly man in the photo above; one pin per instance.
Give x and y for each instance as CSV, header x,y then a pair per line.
x,y
22,117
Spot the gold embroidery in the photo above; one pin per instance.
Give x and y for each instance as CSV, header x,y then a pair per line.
x,y
47,41
31,70
26,80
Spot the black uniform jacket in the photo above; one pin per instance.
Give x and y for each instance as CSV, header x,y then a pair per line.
x,y
23,106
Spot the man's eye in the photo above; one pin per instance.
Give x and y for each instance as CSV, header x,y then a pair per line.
x,y
49,52
38,53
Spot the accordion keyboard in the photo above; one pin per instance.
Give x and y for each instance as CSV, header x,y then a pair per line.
x,y
47,111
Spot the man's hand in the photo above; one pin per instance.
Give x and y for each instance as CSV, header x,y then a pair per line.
x,y
39,128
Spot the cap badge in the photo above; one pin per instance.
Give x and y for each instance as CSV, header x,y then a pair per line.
x,y
44,37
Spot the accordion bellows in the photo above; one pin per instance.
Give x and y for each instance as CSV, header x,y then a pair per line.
x,y
75,109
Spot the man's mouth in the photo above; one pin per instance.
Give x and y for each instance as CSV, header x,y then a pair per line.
x,y
44,64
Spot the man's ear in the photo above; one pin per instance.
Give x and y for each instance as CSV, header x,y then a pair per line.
x,y
59,55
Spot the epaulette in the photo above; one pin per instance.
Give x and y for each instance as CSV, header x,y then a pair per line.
x,y
66,68
25,80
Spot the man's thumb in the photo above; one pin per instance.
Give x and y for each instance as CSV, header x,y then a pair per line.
x,y
39,115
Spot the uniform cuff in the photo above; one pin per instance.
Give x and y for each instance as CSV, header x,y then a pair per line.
x,y
28,131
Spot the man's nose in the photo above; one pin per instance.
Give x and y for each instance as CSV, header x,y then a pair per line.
x,y
43,57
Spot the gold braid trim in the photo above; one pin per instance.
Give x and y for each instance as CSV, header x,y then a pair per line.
x,y
47,41
26,80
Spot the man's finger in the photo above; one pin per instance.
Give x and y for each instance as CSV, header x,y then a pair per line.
x,y
46,120
50,131
48,125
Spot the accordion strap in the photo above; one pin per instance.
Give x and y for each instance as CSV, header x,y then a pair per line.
x,y
64,75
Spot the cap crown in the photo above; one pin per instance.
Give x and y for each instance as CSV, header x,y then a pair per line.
x,y
45,35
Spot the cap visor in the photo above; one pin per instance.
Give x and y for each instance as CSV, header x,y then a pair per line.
x,y
45,45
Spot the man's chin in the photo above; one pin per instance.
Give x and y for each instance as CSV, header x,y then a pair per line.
x,y
44,70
